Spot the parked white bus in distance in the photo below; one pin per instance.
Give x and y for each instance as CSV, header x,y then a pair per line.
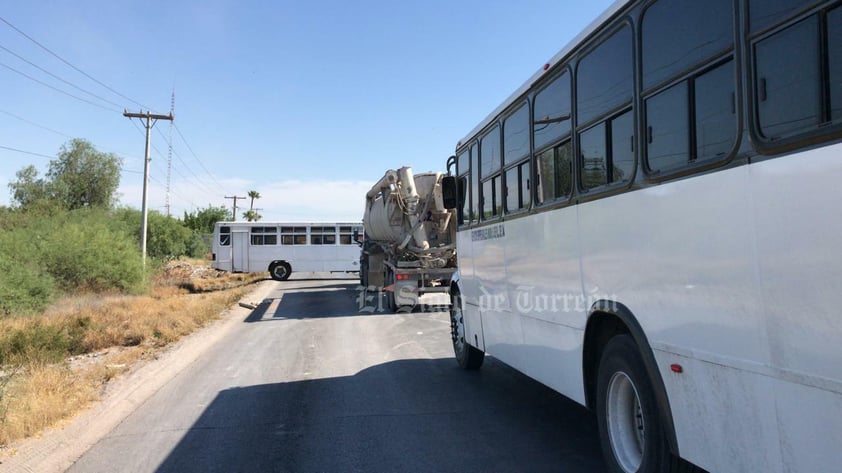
x,y
652,226
284,247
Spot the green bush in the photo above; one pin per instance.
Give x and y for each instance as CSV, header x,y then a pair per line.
x,y
36,343
85,253
23,287
166,237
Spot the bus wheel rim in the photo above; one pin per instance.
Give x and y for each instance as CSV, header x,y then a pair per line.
x,y
458,330
626,428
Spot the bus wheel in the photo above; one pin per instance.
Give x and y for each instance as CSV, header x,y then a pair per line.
x,y
468,357
280,271
630,428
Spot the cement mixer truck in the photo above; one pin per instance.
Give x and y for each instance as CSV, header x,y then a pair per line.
x,y
409,246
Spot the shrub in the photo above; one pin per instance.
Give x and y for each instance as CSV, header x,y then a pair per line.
x,y
166,237
23,288
35,342
86,254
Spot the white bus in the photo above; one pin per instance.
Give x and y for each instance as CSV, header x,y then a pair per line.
x,y
284,247
651,226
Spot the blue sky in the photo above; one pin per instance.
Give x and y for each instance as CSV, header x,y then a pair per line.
x,y
306,102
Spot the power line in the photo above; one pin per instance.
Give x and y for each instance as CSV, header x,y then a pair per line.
x,y
69,64
57,77
35,124
26,152
189,169
195,155
57,89
196,181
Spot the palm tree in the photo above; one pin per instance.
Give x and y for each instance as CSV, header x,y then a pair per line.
x,y
253,195
252,215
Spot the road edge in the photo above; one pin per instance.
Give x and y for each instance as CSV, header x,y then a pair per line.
x,y
57,449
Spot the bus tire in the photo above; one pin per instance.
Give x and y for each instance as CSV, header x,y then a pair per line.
x,y
468,357
630,429
280,270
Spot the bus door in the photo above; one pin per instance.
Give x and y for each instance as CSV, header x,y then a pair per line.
x,y
240,250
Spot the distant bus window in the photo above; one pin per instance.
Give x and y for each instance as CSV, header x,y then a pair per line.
x,y
346,235
322,235
225,236
264,236
293,235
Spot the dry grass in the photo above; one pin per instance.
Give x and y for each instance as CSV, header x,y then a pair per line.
x,y
40,396
108,334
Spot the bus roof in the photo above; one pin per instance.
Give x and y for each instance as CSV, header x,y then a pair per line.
x,y
287,223
557,58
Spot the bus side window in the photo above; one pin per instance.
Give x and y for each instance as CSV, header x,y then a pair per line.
x,y
492,189
224,236
788,84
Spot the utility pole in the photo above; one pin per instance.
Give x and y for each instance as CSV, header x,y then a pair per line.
x,y
169,153
235,197
151,119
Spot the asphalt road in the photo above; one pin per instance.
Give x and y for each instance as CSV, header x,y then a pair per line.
x,y
309,382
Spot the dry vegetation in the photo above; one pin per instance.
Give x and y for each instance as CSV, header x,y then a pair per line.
x,y
41,384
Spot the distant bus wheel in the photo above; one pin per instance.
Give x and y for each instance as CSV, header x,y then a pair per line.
x,y
280,271
630,428
468,357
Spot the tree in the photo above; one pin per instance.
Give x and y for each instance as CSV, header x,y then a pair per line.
x,y
202,220
84,177
28,188
252,215
79,177
253,195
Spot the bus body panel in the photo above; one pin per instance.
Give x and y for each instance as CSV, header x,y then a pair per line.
x,y
469,292
545,290
798,222
501,327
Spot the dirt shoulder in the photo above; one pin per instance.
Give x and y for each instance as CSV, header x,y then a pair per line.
x,y
57,448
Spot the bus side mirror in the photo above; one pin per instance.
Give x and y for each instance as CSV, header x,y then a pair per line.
x,y
448,192
357,237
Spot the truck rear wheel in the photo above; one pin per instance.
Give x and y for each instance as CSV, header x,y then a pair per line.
x,y
280,270
391,302
468,357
